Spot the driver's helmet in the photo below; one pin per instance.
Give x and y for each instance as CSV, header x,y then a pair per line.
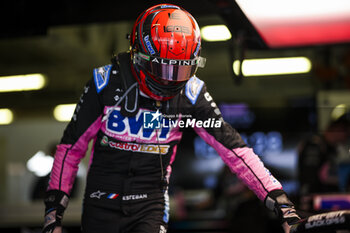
x,y
165,47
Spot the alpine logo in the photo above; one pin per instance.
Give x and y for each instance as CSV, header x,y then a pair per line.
x,y
101,76
165,61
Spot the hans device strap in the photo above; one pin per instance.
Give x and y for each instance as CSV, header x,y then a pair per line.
x,y
130,105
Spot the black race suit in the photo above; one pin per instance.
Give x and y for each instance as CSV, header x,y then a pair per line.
x,y
131,159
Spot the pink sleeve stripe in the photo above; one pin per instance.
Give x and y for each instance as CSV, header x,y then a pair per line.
x,y
245,164
257,174
67,159
169,169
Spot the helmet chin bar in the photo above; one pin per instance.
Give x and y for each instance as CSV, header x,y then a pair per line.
x,y
156,87
162,89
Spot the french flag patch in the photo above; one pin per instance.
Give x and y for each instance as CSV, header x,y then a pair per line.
x,y
112,196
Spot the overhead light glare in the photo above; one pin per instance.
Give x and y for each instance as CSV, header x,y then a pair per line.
x,y
40,164
339,111
215,33
6,116
64,112
27,82
273,66
299,10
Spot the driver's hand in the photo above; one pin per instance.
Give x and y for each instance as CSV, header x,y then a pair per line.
x,y
286,227
278,201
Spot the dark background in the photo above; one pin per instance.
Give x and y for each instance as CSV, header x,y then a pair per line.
x,y
66,40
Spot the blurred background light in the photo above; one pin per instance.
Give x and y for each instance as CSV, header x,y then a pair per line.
x,y
299,22
215,33
40,164
281,10
25,82
6,116
64,112
339,111
273,66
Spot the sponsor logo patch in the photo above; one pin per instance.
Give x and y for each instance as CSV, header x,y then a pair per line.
x,y
193,88
113,196
101,77
162,229
97,194
133,126
326,219
149,45
135,147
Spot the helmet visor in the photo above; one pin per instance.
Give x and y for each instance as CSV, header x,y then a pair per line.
x,y
169,69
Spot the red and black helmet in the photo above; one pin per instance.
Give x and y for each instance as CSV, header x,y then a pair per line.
x,y
165,46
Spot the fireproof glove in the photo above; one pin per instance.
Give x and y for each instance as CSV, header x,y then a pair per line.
x,y
277,201
56,202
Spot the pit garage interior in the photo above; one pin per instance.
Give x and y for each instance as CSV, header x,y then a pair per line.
x,y
64,41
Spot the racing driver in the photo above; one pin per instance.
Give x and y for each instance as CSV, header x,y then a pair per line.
x,y
134,110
